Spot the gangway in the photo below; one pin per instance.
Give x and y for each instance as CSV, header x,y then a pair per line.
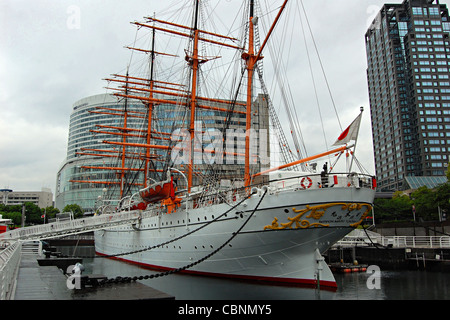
x,y
74,226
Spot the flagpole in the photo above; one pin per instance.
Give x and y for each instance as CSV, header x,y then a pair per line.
x,y
356,141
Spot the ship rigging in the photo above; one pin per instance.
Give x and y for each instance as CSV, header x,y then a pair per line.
x,y
202,149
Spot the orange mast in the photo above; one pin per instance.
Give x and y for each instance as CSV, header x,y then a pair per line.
x,y
133,86
195,64
150,111
252,59
122,175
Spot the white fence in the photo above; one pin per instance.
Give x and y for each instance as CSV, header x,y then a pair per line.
x,y
416,241
9,263
359,238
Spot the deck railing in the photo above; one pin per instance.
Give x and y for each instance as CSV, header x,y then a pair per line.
x,y
298,181
328,180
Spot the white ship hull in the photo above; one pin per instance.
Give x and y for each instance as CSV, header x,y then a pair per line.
x,y
280,242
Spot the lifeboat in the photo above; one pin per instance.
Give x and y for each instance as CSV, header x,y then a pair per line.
x,y
158,191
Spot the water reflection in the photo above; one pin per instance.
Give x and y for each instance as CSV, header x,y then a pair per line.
x,y
393,285
353,286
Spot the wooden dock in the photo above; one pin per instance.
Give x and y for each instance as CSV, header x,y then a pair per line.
x,y
35,282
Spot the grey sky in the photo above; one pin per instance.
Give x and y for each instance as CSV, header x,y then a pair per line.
x,y
46,66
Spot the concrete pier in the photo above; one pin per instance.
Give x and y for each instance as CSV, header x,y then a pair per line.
x,y
48,282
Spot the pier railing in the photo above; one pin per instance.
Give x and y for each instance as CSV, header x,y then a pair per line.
x,y
396,241
417,241
9,262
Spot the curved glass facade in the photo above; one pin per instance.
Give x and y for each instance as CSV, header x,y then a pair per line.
x,y
86,116
92,182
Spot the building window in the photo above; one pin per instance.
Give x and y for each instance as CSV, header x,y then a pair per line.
x,y
417,11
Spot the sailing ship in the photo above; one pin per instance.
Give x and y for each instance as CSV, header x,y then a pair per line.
x,y
216,208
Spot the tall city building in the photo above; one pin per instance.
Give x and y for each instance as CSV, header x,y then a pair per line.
x,y
408,56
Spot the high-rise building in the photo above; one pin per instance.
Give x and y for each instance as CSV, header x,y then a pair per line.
x,y
408,56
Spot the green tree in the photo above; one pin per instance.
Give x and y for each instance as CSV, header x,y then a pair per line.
x,y
33,214
15,216
443,197
12,212
424,200
396,209
76,209
49,212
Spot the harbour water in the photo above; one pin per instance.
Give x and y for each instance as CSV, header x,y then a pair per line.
x,y
385,285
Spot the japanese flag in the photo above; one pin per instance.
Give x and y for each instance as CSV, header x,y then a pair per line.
x,y
351,133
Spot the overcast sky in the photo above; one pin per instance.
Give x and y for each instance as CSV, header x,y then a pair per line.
x,y
55,52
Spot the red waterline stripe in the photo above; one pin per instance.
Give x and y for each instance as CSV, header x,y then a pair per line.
x,y
325,285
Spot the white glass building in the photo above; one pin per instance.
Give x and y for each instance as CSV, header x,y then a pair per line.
x,y
96,182
82,140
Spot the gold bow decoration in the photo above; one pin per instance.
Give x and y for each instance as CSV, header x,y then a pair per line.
x,y
316,212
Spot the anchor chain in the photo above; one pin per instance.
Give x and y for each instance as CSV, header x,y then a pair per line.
x,y
164,243
120,279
